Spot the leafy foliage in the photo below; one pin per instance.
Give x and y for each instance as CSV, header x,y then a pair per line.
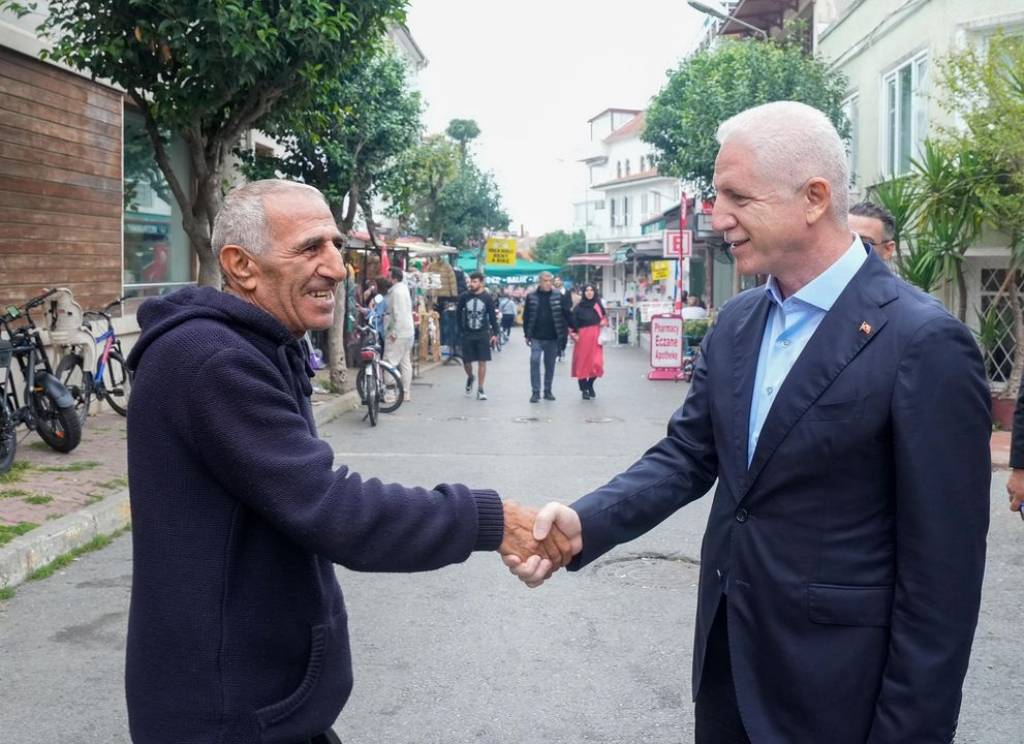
x,y
715,84
555,247
463,131
444,196
353,152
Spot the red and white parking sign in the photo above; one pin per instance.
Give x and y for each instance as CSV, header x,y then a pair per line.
x,y
678,244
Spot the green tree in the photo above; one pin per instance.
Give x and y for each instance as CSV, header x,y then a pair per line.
x,y
449,199
715,84
556,247
210,71
463,131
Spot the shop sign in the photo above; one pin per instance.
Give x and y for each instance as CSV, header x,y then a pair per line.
x,y
649,309
501,251
660,270
678,244
667,342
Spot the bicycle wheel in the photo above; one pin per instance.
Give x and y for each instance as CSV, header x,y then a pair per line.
x,y
370,394
392,391
58,427
71,372
8,435
117,383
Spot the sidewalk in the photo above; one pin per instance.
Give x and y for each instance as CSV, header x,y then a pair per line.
x,y
51,503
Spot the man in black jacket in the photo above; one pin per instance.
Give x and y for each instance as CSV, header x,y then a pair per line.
x,y
237,630
546,320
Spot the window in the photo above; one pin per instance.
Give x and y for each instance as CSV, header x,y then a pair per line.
x,y
643,206
999,356
618,169
851,108
625,210
657,202
157,255
627,166
598,205
641,163
905,111
611,218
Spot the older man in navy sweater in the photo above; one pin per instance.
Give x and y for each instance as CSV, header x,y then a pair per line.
x,y
237,631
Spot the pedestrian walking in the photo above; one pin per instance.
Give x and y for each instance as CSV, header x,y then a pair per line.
x,y
478,328
844,415
507,306
237,629
546,319
399,329
588,320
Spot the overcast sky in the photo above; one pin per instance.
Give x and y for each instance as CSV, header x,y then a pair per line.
x,y
532,72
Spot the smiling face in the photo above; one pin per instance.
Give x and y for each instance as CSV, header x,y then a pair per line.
x,y
762,218
295,279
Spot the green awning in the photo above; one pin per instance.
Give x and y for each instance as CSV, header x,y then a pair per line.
x,y
467,262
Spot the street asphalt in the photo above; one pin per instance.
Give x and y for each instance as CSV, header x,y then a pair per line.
x,y
467,654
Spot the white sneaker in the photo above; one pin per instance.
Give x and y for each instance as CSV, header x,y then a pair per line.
x,y
481,395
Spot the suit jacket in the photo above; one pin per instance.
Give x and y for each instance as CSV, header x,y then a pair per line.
x,y
851,550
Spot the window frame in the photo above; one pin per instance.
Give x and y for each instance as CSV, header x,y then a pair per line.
x,y
891,110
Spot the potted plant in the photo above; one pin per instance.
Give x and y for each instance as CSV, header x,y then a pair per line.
x,y
623,331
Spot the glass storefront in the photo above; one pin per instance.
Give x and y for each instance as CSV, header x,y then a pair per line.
x,y
157,255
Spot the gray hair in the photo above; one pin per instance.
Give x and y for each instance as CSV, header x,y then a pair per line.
x,y
242,220
794,142
545,275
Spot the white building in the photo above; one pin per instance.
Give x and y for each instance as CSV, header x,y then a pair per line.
x,y
624,190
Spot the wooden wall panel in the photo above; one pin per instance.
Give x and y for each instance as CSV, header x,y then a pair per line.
x,y
60,183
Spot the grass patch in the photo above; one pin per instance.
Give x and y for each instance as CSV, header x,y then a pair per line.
x,y
39,446
62,561
15,473
113,484
14,493
93,498
38,500
10,531
72,467
6,593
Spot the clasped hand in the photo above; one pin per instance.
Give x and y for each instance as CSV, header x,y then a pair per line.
x,y
538,543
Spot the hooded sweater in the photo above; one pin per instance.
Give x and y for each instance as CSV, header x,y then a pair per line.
x,y
237,632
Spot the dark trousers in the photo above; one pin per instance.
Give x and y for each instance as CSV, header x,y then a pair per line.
x,y
549,348
717,712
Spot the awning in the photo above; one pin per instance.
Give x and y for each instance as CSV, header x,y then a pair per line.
x,y
421,248
591,259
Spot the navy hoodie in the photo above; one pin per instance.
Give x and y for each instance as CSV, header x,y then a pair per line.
x,y
237,630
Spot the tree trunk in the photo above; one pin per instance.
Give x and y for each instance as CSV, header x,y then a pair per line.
x,y
337,362
961,288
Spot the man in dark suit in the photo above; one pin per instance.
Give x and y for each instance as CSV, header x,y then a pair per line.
x,y
845,416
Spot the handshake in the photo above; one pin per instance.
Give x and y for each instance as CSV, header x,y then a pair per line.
x,y
538,543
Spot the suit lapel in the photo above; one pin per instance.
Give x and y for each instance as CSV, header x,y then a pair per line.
x,y
853,322
746,349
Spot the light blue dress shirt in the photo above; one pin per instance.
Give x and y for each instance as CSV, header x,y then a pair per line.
x,y
791,323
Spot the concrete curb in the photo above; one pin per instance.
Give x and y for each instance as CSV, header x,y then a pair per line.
x,y
30,552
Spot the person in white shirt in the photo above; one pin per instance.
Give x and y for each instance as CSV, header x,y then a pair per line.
x,y
693,310
399,329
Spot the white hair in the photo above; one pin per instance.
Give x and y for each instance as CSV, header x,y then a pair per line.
x,y
242,220
793,142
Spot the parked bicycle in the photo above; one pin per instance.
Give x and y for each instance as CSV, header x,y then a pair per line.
x,y
8,424
110,380
379,384
45,405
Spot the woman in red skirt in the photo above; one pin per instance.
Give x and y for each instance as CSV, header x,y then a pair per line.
x,y
588,317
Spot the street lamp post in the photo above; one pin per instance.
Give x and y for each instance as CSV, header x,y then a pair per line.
x,y
712,8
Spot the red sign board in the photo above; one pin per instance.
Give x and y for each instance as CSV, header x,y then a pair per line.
x,y
678,244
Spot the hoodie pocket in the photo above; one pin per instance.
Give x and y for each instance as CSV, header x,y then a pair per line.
x,y
274,713
832,604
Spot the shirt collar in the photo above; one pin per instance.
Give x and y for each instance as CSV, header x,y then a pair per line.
x,y
823,291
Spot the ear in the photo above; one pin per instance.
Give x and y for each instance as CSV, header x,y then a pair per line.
x,y
818,195
238,267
